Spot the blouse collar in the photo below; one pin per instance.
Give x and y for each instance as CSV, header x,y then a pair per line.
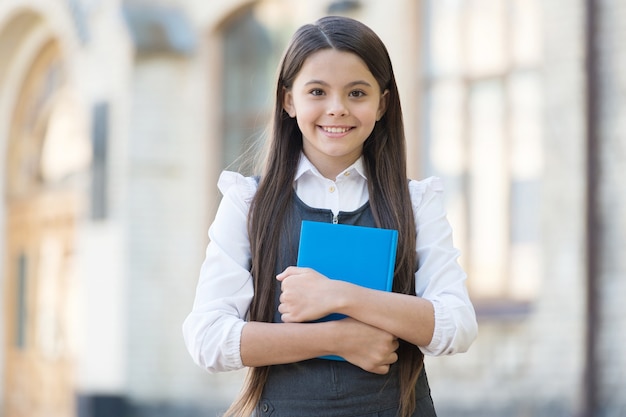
x,y
306,166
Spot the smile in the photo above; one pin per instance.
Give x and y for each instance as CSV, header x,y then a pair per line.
x,y
333,129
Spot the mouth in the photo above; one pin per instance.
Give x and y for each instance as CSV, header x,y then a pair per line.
x,y
336,129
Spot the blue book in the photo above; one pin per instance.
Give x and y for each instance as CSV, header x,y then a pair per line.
x,y
364,256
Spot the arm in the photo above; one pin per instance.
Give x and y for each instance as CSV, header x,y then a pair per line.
x,y
224,291
440,319
439,278
308,295
275,343
216,333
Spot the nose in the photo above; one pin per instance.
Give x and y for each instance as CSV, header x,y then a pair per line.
x,y
337,107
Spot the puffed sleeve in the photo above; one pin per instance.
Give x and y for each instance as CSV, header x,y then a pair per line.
x,y
439,277
212,331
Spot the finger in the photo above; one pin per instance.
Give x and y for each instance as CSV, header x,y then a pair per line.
x,y
290,270
396,344
381,370
284,282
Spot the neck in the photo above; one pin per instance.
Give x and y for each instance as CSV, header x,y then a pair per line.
x,y
331,168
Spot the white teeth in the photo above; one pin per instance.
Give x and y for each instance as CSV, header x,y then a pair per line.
x,y
336,129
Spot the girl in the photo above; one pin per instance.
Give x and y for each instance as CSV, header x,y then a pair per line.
x,y
336,153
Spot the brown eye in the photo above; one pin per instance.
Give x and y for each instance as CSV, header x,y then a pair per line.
x,y
357,93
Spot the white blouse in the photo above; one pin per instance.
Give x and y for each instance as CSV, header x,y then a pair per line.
x,y
212,331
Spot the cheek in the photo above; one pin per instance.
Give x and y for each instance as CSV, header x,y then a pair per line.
x,y
367,110
307,113
305,124
368,117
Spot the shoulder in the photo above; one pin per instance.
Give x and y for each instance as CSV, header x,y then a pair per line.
x,y
424,190
236,185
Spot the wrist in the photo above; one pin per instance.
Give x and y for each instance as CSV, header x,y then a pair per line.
x,y
333,340
346,298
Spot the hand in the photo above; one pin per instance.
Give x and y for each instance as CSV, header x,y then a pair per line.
x,y
365,346
306,295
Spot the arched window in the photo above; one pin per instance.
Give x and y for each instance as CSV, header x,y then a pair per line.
x,y
25,170
46,146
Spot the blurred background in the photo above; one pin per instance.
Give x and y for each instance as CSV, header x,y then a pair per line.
x,y
117,116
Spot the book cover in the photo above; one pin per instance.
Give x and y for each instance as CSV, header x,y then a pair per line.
x,y
361,255
364,256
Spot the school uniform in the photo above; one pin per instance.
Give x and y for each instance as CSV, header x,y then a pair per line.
x,y
322,387
316,387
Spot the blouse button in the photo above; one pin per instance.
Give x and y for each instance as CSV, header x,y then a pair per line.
x,y
331,189
265,407
347,173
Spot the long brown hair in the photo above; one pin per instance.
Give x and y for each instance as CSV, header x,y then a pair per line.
x,y
384,154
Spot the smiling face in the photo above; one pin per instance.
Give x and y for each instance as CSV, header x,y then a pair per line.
x,y
336,102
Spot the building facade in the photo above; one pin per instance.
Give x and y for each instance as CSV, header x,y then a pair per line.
x,y
116,118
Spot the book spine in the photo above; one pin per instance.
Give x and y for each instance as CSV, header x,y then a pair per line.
x,y
392,257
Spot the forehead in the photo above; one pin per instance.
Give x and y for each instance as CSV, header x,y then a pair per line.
x,y
334,67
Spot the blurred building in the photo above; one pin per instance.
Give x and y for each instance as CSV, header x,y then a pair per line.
x,y
116,118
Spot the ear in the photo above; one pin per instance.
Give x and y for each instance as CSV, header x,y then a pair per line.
x,y
288,103
382,106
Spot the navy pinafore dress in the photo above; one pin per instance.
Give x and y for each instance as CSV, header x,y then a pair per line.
x,y
328,388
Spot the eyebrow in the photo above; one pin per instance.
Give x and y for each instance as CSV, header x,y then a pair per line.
x,y
349,85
